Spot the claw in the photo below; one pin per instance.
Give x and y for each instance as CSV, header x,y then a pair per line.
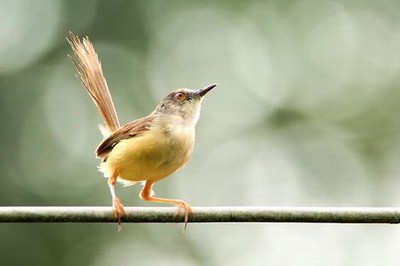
x,y
181,205
118,212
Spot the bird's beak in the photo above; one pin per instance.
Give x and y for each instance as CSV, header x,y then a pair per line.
x,y
203,91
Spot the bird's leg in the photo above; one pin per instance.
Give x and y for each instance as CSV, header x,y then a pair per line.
x,y
116,203
147,194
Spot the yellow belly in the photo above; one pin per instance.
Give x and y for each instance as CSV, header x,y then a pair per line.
x,y
152,156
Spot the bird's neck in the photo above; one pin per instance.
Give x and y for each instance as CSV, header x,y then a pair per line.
x,y
175,123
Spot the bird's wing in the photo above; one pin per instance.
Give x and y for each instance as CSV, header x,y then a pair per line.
x,y
130,130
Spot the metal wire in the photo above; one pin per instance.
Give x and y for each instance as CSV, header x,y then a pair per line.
x,y
71,214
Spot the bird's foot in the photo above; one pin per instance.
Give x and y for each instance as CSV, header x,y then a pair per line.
x,y
187,210
118,211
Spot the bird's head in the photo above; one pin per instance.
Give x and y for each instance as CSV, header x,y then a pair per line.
x,y
184,103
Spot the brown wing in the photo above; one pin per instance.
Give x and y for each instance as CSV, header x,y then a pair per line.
x,y
127,131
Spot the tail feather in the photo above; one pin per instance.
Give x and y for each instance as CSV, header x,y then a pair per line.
x,y
92,78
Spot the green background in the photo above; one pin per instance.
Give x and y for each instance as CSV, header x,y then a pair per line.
x,y
306,114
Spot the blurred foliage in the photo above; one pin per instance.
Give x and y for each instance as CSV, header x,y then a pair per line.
x,y
305,114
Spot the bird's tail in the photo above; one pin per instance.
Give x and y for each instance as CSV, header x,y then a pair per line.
x,y
91,76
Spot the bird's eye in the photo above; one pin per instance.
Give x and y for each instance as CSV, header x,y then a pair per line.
x,y
180,96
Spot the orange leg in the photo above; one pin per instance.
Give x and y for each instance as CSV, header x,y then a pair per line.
x,y
116,203
147,194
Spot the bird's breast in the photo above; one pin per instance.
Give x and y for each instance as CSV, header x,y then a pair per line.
x,y
152,156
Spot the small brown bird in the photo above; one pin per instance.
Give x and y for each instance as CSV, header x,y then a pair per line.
x,y
147,149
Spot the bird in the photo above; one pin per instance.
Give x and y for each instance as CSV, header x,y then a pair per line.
x,y
147,149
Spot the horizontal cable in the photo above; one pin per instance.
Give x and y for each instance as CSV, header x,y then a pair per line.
x,y
201,215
